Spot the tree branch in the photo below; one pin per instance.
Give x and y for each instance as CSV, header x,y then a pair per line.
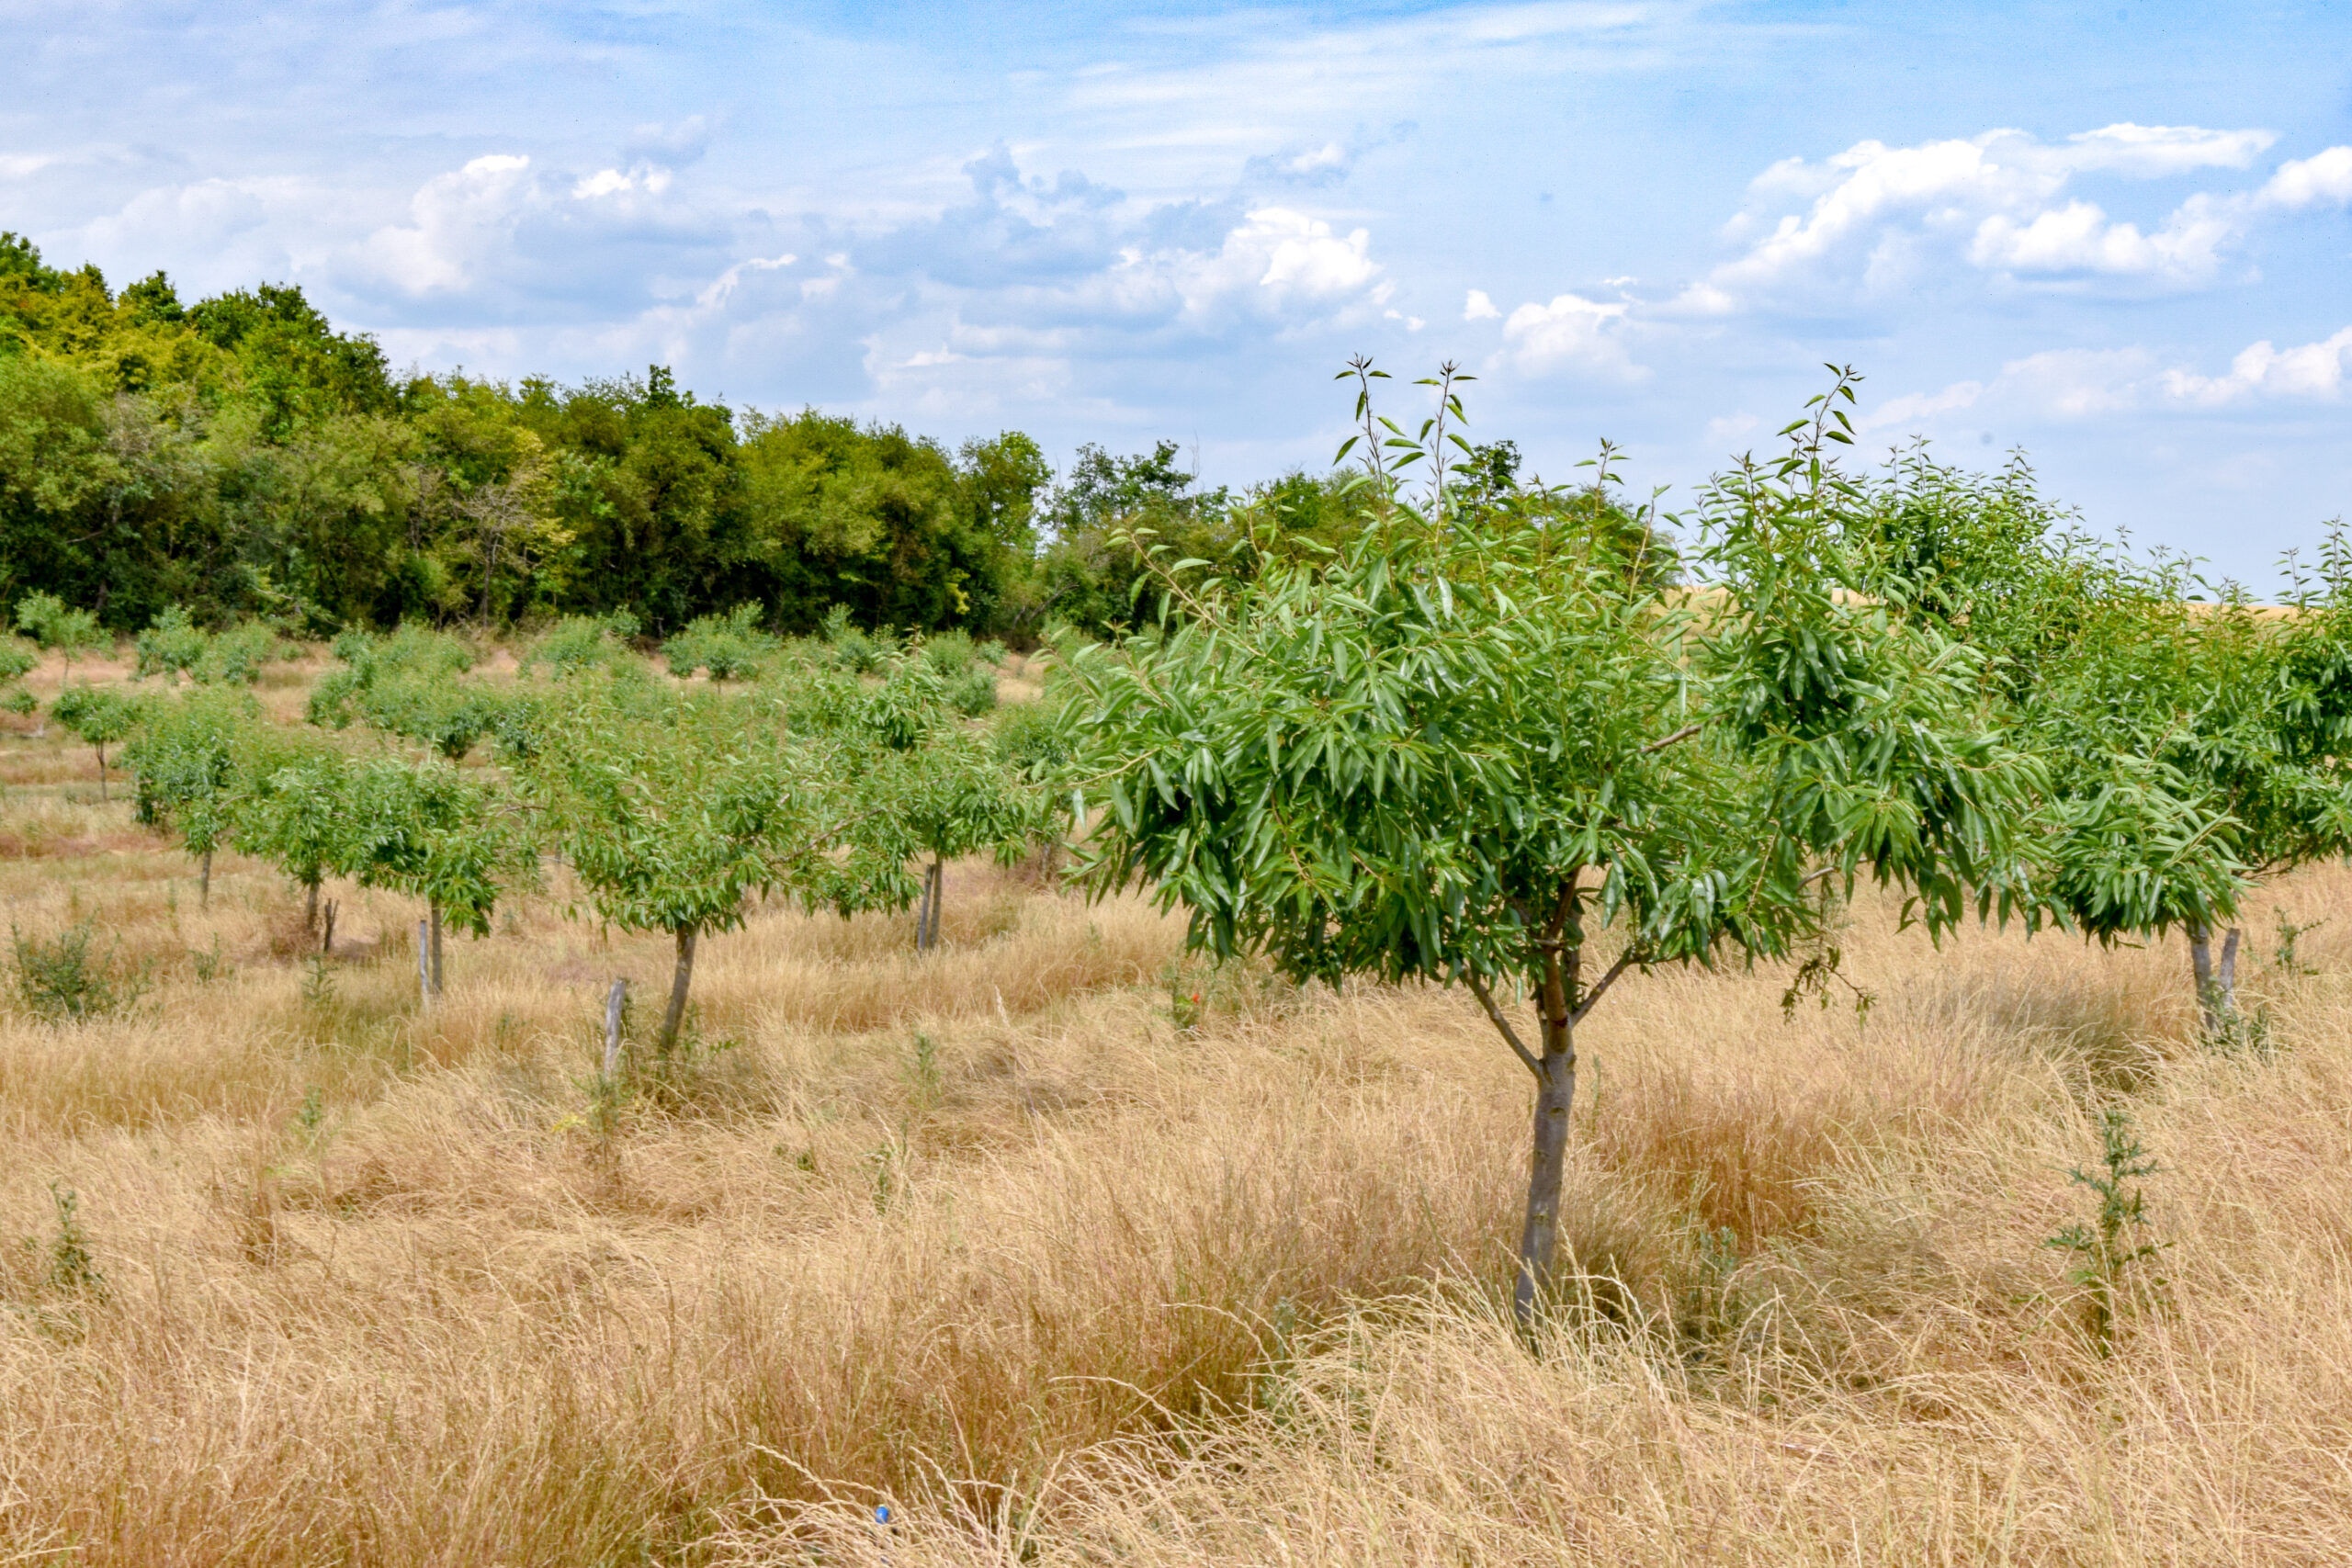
x,y
1631,956
1510,1035
1685,733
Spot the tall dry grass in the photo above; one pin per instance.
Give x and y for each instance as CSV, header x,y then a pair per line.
x,y
987,1235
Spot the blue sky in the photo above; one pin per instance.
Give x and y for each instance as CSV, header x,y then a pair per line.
x,y
2117,236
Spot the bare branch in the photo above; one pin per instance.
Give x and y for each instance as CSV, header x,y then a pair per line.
x,y
1626,959
1510,1035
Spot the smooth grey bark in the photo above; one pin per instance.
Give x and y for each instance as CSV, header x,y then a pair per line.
x,y
2217,984
423,972
435,908
1555,1092
680,978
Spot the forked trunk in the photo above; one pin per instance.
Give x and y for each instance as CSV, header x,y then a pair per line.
x,y
682,978
1556,1090
2217,984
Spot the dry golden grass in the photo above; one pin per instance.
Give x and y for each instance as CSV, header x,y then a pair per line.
x,y
987,1235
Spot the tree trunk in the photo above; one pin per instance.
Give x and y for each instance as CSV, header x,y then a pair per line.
x,y
1556,1090
423,972
927,911
326,941
679,980
311,910
2217,985
435,908
204,879
101,750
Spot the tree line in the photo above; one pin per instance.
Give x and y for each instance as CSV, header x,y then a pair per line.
x,y
240,457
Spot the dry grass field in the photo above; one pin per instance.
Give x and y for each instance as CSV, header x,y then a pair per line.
x,y
1069,1267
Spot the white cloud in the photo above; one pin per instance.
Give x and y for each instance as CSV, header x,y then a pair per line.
x,y
459,218
2072,384
1879,219
1570,334
2150,150
2324,178
1478,308
2078,237
2316,370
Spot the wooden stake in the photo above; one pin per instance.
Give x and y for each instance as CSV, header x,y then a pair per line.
x,y
613,1028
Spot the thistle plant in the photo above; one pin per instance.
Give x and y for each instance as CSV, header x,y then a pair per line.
x,y
2106,1248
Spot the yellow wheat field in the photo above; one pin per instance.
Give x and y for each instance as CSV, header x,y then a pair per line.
x,y
1071,1253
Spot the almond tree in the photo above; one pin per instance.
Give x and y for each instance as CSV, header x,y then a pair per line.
x,y
438,833
923,785
184,762
2193,740
101,716
1481,750
674,814
293,810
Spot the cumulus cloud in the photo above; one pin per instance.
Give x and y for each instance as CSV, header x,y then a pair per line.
x,y
459,221
2316,370
2071,384
1878,219
1571,332
2323,180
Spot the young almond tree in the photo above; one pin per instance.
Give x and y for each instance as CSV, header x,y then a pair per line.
x,y
2193,747
674,814
1481,748
45,618
926,786
17,659
184,760
294,811
101,716
432,831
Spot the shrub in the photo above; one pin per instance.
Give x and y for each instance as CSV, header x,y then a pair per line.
x,y
235,657
585,642
63,979
731,647
171,645
972,693
858,652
